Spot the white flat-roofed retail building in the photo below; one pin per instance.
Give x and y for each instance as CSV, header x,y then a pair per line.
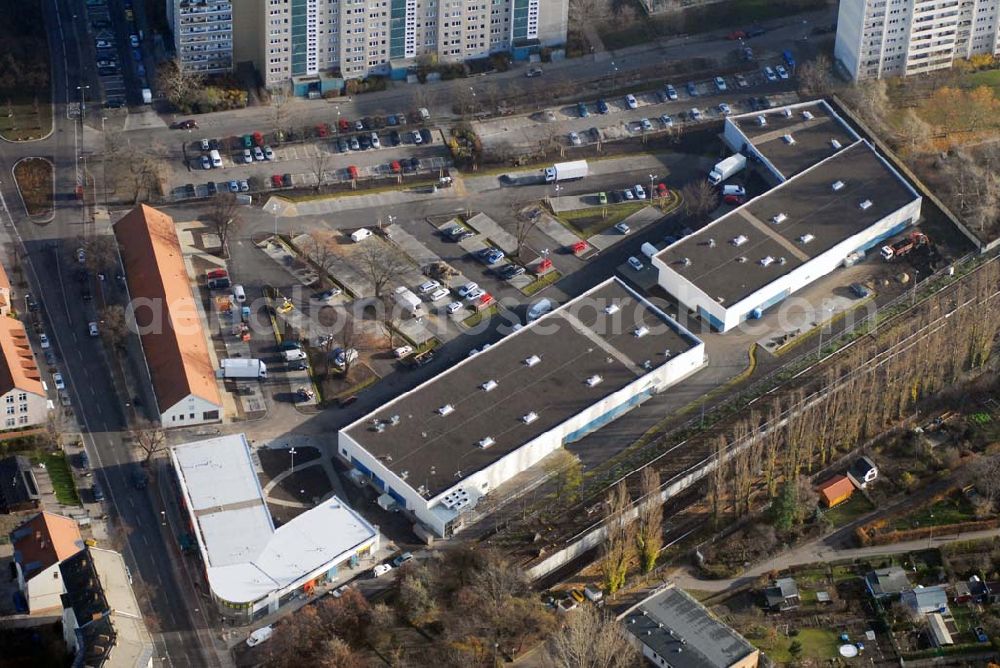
x,y
836,199
441,447
253,567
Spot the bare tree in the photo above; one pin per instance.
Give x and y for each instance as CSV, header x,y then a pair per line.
x,y
591,639
816,76
224,217
618,542
381,265
100,252
318,166
649,523
320,247
347,338
114,326
177,84
699,198
279,111
149,438
988,479
144,170
491,94
389,320
913,132
524,223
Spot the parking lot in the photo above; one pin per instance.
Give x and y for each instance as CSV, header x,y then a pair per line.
x,y
117,51
602,120
258,161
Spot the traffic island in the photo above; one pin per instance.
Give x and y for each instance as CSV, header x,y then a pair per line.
x,y
35,179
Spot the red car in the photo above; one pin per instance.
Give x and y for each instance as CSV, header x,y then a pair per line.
x,y
734,199
276,181
258,139
352,171
661,190
321,130
395,167
735,35
216,273
344,125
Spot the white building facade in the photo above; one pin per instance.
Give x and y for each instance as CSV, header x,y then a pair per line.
x,y
883,38
203,34
300,38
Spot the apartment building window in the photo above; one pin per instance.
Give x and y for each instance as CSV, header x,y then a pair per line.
x,y
22,419
10,410
9,422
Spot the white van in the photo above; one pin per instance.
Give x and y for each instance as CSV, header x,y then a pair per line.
x,y
238,294
216,158
538,309
360,235
293,355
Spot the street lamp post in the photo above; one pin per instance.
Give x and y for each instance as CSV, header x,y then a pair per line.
x,y
652,177
291,451
83,100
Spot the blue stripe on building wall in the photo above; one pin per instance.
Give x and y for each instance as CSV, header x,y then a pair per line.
x,y
713,322
608,417
361,467
882,237
378,482
770,302
397,496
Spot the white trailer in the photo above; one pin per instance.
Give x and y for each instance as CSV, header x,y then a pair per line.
x,y
239,368
566,171
726,168
409,302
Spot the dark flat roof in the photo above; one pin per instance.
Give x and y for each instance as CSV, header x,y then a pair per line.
x,y
574,342
690,637
813,137
811,206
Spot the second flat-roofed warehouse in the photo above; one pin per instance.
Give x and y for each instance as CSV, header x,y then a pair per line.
x,y
441,447
836,198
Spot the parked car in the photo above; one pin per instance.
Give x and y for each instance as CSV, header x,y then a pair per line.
x,y
574,139
602,198
59,382
634,262
276,180
769,74
667,121
247,156
720,83
428,286
725,109
671,92
640,192
402,351
376,143
509,271
43,340
453,307
860,290
415,136
401,559
692,89
631,102
602,107
533,72
782,72
206,162
234,186
244,186
286,180
426,136
467,289
381,569
581,110
647,126
623,228
262,634
438,294
268,153
188,124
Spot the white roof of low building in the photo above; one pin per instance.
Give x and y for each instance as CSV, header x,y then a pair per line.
x,y
245,556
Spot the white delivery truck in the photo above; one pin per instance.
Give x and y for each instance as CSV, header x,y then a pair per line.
x,y
409,302
723,170
566,171
147,96
240,368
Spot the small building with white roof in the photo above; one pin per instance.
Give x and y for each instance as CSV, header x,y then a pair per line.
x,y
253,567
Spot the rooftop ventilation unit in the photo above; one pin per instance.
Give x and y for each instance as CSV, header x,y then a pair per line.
x,y
486,442
808,115
711,243
686,261
529,418
865,205
782,261
740,240
837,185
766,261
835,144
806,238
594,380
380,427
640,331
741,259
612,308
532,361
779,219
446,409
787,112
393,420
761,121
404,475
489,386
789,139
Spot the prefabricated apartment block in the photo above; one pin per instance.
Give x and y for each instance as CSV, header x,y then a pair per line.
x,y
438,449
835,199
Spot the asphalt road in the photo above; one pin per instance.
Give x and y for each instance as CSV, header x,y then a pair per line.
x,y
47,252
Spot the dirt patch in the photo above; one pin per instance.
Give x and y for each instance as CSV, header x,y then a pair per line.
x,y
34,178
276,462
305,486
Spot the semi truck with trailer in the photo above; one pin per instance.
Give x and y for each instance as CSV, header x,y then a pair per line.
x,y
236,368
726,168
566,171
